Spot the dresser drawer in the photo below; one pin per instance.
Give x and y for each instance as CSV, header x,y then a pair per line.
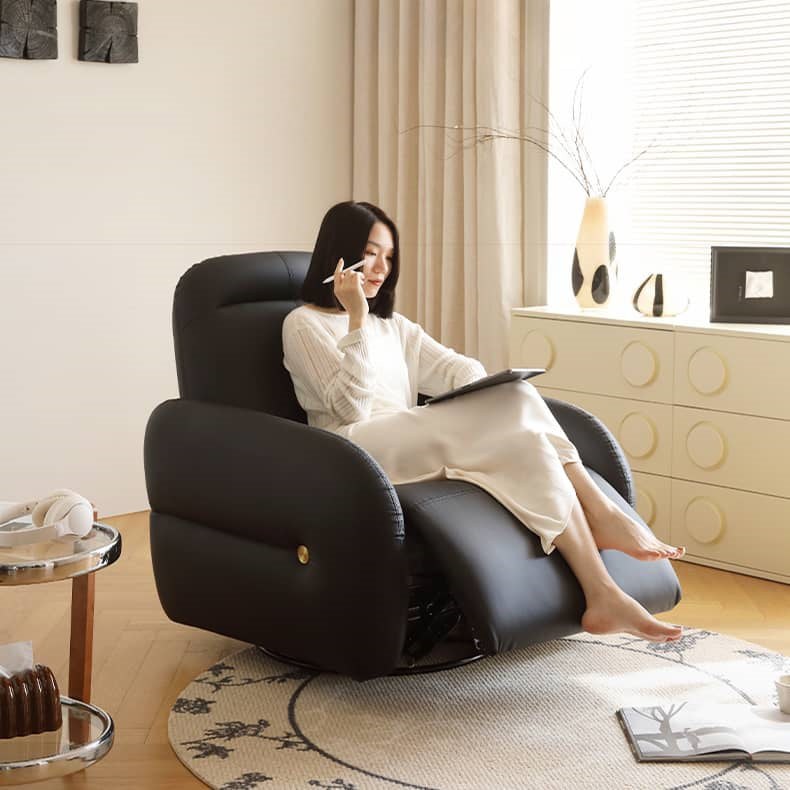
x,y
612,360
742,375
731,450
745,531
654,503
644,430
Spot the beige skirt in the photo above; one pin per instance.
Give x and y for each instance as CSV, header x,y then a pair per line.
x,y
503,439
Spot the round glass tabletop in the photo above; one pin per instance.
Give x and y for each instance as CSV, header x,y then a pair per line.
x,y
55,560
85,737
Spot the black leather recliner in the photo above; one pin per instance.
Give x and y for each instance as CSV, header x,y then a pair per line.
x,y
292,538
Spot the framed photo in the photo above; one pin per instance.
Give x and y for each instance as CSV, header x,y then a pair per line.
x,y
750,285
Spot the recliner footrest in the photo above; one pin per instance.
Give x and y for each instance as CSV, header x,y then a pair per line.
x,y
511,593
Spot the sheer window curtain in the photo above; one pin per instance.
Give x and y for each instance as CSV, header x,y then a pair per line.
x,y
472,217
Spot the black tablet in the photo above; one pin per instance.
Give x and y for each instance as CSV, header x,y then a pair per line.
x,y
511,374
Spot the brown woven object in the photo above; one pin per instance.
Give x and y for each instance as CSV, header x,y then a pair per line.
x,y
29,703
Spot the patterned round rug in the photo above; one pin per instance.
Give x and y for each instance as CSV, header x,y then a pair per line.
x,y
541,717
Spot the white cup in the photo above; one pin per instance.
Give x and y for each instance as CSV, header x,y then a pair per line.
x,y
783,692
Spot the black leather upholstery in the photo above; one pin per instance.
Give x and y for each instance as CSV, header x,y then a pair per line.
x,y
504,582
251,484
237,482
226,330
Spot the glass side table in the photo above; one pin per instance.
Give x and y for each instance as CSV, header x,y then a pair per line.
x,y
87,732
85,737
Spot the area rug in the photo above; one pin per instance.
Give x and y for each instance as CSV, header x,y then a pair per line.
x,y
540,717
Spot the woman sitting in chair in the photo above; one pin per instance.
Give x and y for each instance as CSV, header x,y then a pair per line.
x,y
357,368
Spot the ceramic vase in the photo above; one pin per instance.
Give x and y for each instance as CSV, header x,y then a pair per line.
x,y
661,295
594,269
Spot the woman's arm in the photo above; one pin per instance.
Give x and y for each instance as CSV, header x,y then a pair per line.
x,y
340,375
436,367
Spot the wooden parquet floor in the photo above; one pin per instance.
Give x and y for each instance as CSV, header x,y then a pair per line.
x,y
142,660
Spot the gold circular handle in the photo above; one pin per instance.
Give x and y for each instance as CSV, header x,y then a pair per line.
x,y
537,350
704,519
637,435
645,506
638,364
707,371
303,554
706,446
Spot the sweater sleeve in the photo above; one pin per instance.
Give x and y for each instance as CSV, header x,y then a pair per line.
x,y
437,368
339,374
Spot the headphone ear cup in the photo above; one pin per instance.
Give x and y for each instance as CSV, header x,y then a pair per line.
x,y
42,508
75,511
80,518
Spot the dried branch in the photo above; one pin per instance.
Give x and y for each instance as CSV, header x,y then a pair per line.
x,y
576,116
538,144
552,119
623,167
567,148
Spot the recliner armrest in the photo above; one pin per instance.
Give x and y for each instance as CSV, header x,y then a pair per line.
x,y
245,471
283,484
597,446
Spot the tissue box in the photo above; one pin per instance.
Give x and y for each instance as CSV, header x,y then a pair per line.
x,y
29,703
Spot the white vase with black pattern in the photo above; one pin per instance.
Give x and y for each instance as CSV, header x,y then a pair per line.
x,y
594,269
660,295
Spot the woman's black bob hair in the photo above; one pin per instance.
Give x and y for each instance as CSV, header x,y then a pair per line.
x,y
344,234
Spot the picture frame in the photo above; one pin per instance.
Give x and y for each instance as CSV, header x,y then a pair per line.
x,y
750,285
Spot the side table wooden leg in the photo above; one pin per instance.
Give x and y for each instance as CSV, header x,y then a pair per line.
x,y
81,647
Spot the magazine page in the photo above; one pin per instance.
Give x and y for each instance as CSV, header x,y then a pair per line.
x,y
681,731
766,730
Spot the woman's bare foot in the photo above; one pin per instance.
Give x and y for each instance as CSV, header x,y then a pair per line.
x,y
611,528
614,612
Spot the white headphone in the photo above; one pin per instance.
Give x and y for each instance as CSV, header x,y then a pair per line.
x,y
63,515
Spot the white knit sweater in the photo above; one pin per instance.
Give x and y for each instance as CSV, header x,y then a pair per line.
x,y
341,377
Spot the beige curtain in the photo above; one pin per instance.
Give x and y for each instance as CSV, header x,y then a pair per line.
x,y
472,217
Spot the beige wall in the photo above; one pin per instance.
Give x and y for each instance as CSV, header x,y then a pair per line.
x,y
233,133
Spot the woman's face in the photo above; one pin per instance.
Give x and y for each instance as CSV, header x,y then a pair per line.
x,y
378,259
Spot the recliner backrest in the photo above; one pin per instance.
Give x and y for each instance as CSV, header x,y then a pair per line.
x,y
227,330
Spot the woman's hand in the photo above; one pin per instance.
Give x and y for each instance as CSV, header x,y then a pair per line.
x,y
348,290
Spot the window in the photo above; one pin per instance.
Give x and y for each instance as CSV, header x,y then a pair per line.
x,y
708,83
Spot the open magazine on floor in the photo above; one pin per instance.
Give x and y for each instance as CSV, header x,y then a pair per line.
x,y
511,374
686,732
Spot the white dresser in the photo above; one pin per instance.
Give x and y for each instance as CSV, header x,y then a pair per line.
x,y
702,412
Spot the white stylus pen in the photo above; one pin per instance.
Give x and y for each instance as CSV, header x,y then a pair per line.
x,y
347,269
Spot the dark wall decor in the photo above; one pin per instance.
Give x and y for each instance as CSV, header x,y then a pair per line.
x,y
108,31
750,285
29,29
